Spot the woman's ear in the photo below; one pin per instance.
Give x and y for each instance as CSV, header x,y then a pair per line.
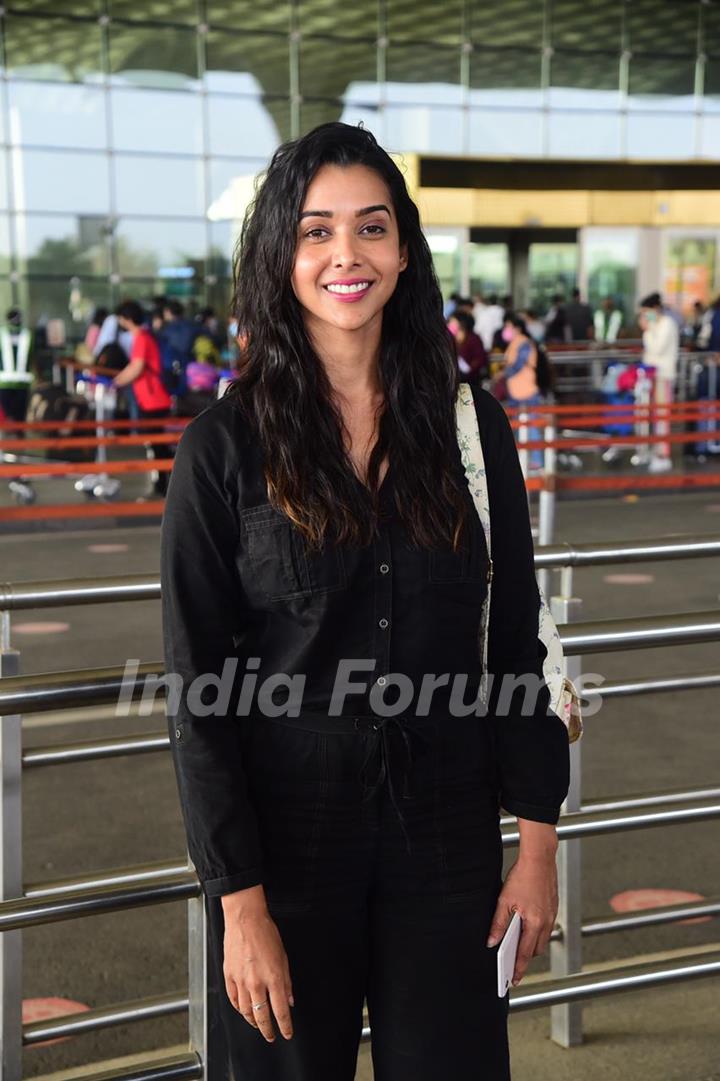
x,y
403,256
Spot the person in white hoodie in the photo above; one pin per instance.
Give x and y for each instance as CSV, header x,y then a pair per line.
x,y
661,341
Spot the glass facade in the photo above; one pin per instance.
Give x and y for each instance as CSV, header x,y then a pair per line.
x,y
132,131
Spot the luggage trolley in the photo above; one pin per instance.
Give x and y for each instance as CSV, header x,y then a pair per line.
x,y
102,396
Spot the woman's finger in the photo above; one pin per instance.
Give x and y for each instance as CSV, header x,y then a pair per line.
x,y
281,1009
263,1016
526,948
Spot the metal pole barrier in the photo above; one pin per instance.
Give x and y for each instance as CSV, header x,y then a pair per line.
x,y
522,438
546,503
566,953
207,1038
644,397
10,868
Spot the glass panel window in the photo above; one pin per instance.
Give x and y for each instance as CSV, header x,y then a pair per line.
x,y
165,58
160,120
55,49
586,26
658,136
231,185
322,17
662,84
50,298
585,80
446,256
711,102
338,69
167,186
489,269
690,272
251,15
552,268
437,22
60,180
509,131
511,78
710,137
223,238
58,7
157,248
584,135
52,114
248,63
187,288
4,244
423,73
75,244
179,11
423,128
506,24
611,256
662,26
243,127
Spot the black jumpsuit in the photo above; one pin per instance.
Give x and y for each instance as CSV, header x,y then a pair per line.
x,y
376,836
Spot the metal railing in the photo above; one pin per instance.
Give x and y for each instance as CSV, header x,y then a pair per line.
x,y
27,905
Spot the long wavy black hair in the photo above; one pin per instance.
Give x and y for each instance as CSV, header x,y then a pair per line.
x,y
284,391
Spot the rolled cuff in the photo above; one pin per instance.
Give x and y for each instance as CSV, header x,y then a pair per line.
x,y
243,880
531,811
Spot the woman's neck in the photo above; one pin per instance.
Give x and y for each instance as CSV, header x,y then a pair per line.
x,y
351,361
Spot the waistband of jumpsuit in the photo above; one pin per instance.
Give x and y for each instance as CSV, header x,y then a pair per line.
x,y
413,732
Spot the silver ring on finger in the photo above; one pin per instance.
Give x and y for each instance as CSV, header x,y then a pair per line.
x,y
259,1005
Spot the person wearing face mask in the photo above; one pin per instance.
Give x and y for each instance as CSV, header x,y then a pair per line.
x,y
661,340
521,374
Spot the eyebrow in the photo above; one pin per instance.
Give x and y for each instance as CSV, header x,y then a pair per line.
x,y
358,213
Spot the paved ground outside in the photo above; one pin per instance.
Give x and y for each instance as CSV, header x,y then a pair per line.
x,y
84,817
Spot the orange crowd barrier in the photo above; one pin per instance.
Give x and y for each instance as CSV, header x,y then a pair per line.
x,y
77,442
613,440
149,508
172,423
62,469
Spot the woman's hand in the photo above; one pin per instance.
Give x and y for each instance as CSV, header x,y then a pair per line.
x,y
255,966
530,888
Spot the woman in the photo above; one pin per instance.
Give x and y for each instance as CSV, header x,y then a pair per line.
x,y
320,542
472,358
522,374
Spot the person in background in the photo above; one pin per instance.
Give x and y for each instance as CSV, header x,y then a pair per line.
x,y
557,328
661,341
112,344
709,336
607,321
144,373
450,305
93,331
579,316
521,375
15,375
490,320
534,324
176,341
471,353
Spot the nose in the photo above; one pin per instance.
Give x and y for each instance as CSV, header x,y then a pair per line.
x,y
344,251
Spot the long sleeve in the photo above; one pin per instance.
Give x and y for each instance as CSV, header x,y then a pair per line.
x,y
533,752
203,604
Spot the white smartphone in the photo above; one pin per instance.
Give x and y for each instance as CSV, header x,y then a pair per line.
x,y
507,953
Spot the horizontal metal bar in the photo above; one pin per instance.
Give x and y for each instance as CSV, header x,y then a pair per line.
x,y
59,592
690,546
653,686
131,875
141,1009
590,822
645,632
31,912
90,750
185,1066
652,917
62,592
87,686
651,799
631,977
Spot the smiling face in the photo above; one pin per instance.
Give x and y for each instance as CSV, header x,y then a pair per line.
x,y
348,254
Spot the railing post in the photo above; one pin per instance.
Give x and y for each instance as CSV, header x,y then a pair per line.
x,y
11,881
546,502
207,1037
566,952
523,452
